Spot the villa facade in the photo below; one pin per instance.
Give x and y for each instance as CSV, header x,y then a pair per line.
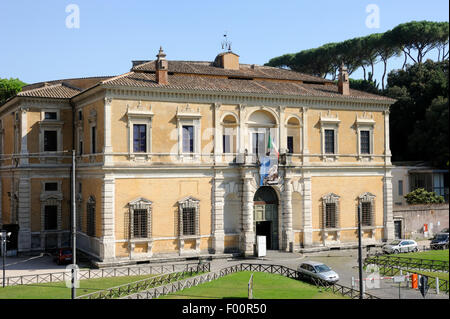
x,y
168,155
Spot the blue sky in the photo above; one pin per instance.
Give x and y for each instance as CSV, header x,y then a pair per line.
x,y
37,46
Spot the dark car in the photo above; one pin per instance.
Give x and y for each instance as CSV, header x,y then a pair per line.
x,y
63,256
440,241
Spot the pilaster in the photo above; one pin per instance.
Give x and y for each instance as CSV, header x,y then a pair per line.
x,y
247,240
287,233
24,209
307,211
107,241
218,211
388,207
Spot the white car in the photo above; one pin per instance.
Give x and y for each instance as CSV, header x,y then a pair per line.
x,y
313,269
400,246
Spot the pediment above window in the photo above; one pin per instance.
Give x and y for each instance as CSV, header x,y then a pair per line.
x,y
139,111
189,202
186,112
140,203
365,119
330,198
328,118
367,197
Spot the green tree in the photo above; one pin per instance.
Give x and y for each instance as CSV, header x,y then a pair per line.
x,y
421,196
419,118
9,88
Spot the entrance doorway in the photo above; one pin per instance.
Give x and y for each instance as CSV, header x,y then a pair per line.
x,y
398,229
266,215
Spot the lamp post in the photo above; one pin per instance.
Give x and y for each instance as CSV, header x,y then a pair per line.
x,y
74,229
3,236
361,292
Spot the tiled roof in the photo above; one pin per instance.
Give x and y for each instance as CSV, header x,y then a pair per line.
x,y
245,71
56,91
195,82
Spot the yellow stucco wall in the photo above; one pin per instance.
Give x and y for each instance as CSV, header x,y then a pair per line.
x,y
165,194
92,187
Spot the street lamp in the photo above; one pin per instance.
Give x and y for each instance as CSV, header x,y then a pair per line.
x,y
361,292
3,236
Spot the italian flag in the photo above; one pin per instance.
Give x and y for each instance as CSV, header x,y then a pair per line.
x,y
271,147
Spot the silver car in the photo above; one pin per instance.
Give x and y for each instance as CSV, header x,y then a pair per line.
x,y
400,246
318,270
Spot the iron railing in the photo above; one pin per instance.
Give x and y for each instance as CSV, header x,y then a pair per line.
x,y
268,268
408,263
95,273
135,287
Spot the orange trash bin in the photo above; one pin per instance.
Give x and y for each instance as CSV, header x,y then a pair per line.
x,y
415,281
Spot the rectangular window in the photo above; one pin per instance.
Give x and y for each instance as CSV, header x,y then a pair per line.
x,y
50,115
400,188
290,144
50,141
140,223
93,139
189,221
226,142
80,115
329,141
51,187
139,138
188,139
51,217
80,147
259,144
366,214
365,142
330,215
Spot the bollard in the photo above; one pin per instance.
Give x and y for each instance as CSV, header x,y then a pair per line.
x,y
437,285
414,281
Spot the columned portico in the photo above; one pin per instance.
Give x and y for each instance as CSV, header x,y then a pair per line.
x,y
247,239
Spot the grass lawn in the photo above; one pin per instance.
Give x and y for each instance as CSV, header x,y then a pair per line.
x,y
429,254
58,290
265,286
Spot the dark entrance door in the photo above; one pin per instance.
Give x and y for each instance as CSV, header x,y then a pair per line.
x,y
398,229
265,215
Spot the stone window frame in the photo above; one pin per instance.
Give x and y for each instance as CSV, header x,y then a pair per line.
x,y
365,124
51,198
139,115
188,117
79,207
2,134
92,120
50,125
189,202
144,204
289,126
368,198
331,198
329,122
229,127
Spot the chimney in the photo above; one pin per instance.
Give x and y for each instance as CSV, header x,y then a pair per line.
x,y
227,60
162,68
343,82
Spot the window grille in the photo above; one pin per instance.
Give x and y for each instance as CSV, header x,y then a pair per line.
x,y
189,221
367,204
140,229
90,217
366,214
329,141
189,217
330,211
330,215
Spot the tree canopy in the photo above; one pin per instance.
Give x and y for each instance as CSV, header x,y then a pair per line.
x,y
9,88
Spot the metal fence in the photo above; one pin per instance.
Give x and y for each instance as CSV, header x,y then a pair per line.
x,y
95,273
134,287
273,269
408,263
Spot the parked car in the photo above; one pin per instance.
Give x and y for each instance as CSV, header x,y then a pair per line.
x,y
312,269
440,241
63,256
445,230
401,246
